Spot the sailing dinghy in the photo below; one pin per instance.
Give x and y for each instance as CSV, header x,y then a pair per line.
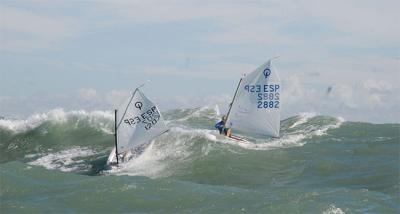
x,y
137,122
255,108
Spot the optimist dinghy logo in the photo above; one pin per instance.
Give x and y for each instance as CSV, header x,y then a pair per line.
x,y
139,105
266,73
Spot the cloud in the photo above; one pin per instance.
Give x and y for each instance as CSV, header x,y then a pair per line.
x,y
342,96
370,100
269,23
87,93
213,70
379,93
353,102
25,31
174,102
347,45
262,21
372,21
115,98
377,85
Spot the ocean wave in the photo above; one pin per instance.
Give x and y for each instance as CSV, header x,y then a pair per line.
x,y
303,118
332,209
167,154
191,136
323,163
96,118
70,160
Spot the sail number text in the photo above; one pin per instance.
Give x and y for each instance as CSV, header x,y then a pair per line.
x,y
267,95
149,118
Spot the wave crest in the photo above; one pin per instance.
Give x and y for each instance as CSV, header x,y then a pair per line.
x,y
76,146
97,118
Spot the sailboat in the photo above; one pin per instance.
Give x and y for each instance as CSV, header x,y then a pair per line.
x,y
137,122
255,108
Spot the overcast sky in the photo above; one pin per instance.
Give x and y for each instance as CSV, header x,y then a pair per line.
x,y
88,54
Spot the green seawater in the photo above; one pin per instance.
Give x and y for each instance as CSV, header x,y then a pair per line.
x,y
56,163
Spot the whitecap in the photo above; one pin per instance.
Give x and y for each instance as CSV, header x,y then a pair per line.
x,y
66,160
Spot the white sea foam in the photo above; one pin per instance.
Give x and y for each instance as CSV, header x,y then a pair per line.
x,y
166,154
332,209
67,160
97,118
217,111
304,117
202,113
288,139
147,164
268,144
159,159
205,133
323,130
273,143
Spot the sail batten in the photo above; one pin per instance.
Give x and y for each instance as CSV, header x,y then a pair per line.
x,y
256,107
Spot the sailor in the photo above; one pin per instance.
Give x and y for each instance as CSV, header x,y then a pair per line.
x,y
221,127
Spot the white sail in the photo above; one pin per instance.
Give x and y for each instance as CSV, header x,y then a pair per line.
x,y
256,106
138,122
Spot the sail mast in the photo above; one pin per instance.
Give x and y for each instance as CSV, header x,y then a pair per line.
x,y
234,96
115,134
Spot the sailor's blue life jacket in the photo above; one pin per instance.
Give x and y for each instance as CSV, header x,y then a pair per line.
x,y
220,125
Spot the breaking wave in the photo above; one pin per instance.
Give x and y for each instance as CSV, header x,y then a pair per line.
x,y
79,141
323,163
